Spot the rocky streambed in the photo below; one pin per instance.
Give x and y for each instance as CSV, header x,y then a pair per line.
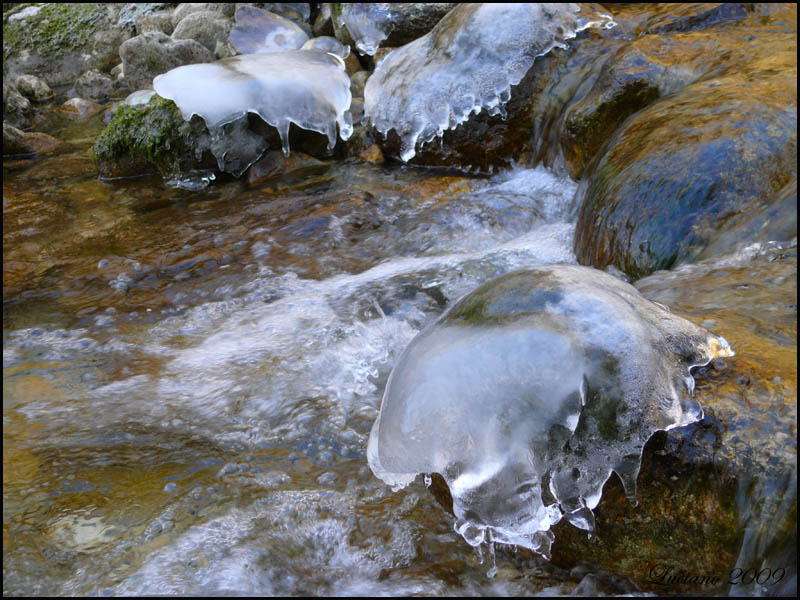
x,y
198,330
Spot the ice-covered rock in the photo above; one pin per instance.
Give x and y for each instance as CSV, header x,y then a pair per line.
x,y
326,43
530,391
466,63
304,87
369,25
258,31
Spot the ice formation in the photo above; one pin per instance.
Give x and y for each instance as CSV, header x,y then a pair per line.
x,y
304,87
326,43
466,63
258,31
530,391
368,24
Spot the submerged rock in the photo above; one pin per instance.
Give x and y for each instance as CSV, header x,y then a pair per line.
x,y
529,392
466,64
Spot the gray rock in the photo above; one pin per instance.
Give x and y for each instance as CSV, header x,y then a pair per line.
x,y
155,21
14,141
33,88
150,54
16,107
131,12
186,8
60,41
204,26
94,85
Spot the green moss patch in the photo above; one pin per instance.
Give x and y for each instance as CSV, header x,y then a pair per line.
x,y
56,29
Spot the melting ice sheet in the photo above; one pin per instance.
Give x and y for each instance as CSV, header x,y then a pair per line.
x,y
304,87
466,63
527,393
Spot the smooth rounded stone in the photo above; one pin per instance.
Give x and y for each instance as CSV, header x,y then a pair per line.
x,y
657,199
150,54
204,26
155,21
60,41
368,26
93,85
184,9
257,31
16,107
33,88
529,392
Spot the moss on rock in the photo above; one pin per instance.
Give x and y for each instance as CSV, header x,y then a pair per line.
x,y
152,138
55,29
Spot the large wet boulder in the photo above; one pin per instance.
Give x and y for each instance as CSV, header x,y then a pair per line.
x,y
59,41
154,53
679,170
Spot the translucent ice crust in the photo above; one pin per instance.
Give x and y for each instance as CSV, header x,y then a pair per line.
x,y
258,31
305,87
529,392
368,23
466,63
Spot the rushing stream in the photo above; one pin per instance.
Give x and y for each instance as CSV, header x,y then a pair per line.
x,y
190,378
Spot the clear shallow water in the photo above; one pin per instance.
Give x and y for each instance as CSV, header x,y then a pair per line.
x,y
190,384
190,378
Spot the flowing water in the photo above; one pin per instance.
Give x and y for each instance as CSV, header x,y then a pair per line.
x,y
190,378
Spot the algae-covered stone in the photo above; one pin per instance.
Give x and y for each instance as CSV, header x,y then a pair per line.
x,y
16,107
153,138
59,41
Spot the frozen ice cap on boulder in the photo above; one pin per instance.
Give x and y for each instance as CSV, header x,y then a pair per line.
x,y
466,63
530,391
304,87
259,31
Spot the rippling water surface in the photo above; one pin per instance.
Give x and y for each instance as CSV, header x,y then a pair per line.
x,y
190,378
